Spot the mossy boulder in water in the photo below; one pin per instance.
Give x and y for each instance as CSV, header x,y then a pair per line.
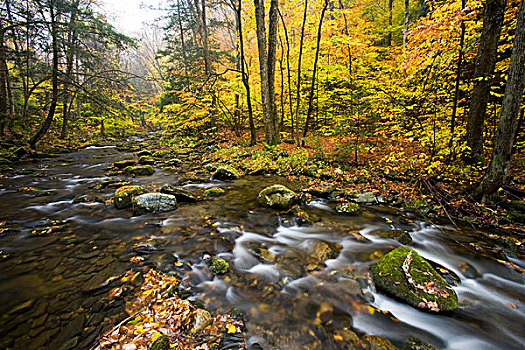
x,y
124,195
277,196
226,172
404,274
143,170
219,266
146,160
213,192
153,202
124,163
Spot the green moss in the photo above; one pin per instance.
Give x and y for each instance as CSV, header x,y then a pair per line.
x,y
214,192
277,196
226,172
388,276
124,195
143,170
219,266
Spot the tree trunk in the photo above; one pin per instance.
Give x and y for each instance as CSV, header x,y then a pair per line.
x,y
389,36
405,23
54,79
496,173
289,71
245,81
298,86
485,63
4,112
70,60
312,86
273,138
458,81
267,68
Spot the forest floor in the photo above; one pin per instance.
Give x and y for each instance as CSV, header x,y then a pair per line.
x,y
396,169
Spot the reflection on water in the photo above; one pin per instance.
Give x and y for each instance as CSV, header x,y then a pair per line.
x,y
296,285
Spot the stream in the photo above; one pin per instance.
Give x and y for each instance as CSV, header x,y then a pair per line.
x,y
59,244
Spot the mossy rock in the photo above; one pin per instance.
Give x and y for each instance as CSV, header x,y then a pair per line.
x,y
146,160
124,163
202,319
4,161
210,167
401,236
376,342
277,197
219,266
162,343
414,343
144,152
428,290
347,208
214,192
143,170
124,195
226,172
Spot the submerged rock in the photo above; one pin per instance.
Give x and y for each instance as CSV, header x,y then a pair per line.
x,y
153,202
226,172
277,196
179,193
414,343
124,195
143,170
401,236
404,274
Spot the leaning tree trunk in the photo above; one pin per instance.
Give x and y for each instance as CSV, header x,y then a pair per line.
x,y
54,79
484,68
508,123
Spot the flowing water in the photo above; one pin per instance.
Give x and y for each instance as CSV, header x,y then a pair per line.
x,y
59,246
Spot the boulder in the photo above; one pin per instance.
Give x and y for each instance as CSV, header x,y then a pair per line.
x,y
226,172
143,170
219,266
401,236
404,274
125,194
146,160
173,162
124,163
202,320
277,196
153,202
366,198
179,193
214,192
144,152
